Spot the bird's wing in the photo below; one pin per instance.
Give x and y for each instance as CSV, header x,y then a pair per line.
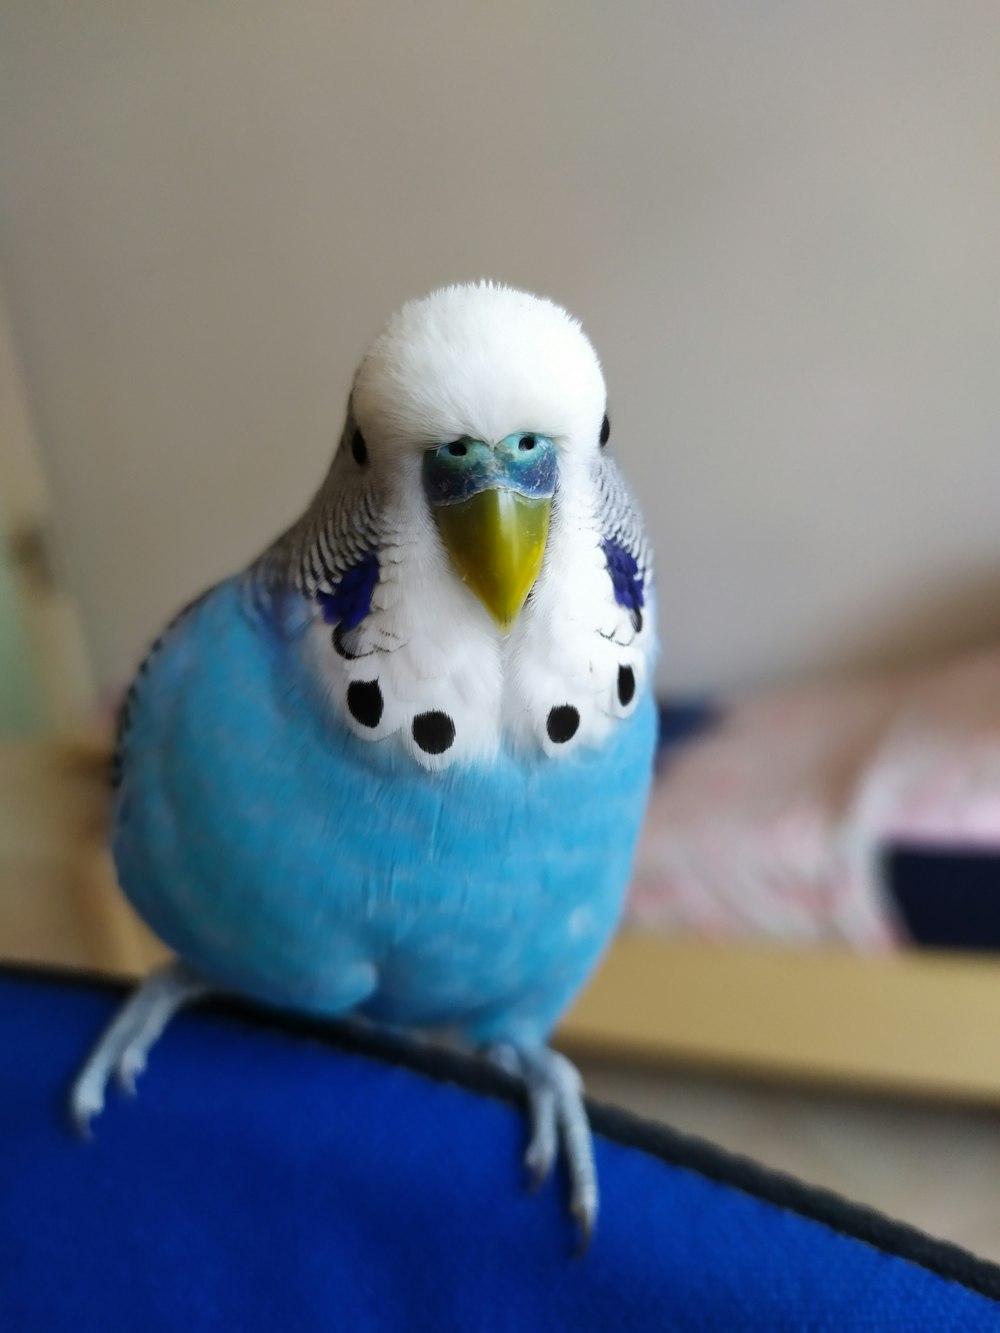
x,y
626,547
127,707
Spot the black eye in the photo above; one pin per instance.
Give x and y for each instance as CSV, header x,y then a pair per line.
x,y
605,432
359,449
526,442
458,449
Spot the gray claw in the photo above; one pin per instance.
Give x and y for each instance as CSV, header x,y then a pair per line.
x,y
585,1230
583,1208
86,1102
129,1067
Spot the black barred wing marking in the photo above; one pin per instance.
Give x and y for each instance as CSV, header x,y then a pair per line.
x,y
331,553
126,709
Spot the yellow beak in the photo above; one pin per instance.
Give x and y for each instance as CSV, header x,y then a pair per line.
x,y
496,540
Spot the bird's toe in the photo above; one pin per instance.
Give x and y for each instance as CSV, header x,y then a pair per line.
x,y
131,1064
86,1102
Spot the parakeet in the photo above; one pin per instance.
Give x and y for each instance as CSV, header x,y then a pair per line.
x,y
396,767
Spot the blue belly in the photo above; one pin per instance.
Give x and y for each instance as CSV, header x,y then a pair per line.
x,y
290,861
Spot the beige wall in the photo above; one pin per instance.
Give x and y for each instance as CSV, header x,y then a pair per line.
x,y
780,222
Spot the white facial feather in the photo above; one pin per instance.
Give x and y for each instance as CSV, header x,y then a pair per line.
x,y
485,362
482,361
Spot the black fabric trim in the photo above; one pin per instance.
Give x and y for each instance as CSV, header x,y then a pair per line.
x,y
679,1150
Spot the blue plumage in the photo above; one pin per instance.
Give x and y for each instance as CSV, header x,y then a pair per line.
x,y
289,860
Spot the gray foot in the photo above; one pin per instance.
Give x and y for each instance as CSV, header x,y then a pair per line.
x,y
124,1045
557,1117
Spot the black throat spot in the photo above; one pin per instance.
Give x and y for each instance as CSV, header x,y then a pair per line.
x,y
562,723
434,732
364,699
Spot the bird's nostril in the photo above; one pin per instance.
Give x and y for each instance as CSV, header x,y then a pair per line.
x,y
457,449
526,442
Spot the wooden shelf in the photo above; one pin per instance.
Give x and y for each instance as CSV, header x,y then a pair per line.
x,y
915,1022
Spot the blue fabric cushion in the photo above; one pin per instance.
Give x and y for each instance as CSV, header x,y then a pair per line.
x,y
275,1175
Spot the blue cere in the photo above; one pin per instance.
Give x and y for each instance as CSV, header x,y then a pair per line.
x,y
523,462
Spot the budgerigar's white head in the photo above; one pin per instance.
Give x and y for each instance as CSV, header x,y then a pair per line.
x,y
481,361
480,575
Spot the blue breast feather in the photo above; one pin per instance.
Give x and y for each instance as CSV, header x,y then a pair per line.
x,y
297,864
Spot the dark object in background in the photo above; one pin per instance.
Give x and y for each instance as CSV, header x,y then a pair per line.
x,y
682,721
946,898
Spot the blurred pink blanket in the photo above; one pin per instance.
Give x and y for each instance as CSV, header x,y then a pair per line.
x,y
772,824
